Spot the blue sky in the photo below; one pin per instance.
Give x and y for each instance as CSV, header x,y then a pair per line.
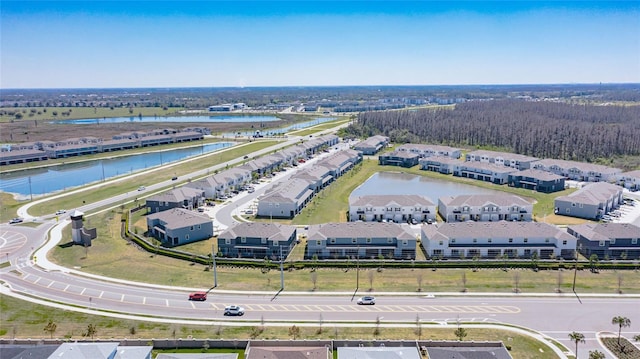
x,y
57,44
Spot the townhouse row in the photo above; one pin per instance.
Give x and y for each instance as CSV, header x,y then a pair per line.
x,y
43,150
385,240
543,175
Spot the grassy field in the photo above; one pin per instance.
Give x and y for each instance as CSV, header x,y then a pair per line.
x,y
20,319
114,257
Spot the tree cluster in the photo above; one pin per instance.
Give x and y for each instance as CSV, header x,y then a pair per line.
x,y
535,128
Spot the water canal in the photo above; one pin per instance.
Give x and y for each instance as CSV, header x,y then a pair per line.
x,y
45,180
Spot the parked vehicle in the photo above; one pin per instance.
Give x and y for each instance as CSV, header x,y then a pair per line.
x,y
199,296
15,220
367,300
234,310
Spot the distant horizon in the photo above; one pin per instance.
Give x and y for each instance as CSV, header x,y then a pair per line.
x,y
328,86
245,44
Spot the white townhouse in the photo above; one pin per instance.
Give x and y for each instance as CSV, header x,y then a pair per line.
x,y
424,150
497,240
396,208
285,199
483,171
485,208
512,160
630,180
578,171
441,164
372,145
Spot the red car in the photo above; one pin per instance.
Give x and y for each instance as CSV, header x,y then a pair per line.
x,y
201,296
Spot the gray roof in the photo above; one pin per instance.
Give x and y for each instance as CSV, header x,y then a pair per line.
x,y
389,200
582,166
425,147
133,352
502,229
606,231
176,195
476,200
631,174
271,231
359,230
378,353
287,192
474,165
196,356
372,141
538,174
180,217
400,154
468,353
287,353
11,351
593,193
85,350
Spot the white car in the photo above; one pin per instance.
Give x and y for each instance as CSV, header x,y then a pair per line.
x,y
61,211
367,300
234,310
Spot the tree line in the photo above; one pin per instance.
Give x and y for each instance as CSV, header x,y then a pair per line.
x,y
535,128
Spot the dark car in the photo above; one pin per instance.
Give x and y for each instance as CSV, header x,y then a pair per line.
x,y
174,178
200,296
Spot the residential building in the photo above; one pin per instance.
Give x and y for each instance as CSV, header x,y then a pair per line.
x,y
395,208
197,356
484,208
484,171
513,160
179,226
9,157
496,240
372,145
100,351
361,240
630,180
607,240
578,171
285,199
183,197
257,240
378,352
536,180
399,158
471,352
425,151
287,352
441,164
590,202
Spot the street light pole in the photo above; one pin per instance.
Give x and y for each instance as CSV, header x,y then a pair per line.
x,y
358,268
281,270
215,271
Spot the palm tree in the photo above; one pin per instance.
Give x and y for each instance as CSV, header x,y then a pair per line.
x,y
51,328
621,322
576,338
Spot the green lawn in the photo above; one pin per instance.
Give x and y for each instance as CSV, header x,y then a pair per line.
x,y
73,113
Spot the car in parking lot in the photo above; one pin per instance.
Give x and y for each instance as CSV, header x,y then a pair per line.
x,y
199,296
234,310
15,220
367,300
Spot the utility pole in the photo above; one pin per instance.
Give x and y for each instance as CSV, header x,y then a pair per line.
x,y
358,268
281,270
215,272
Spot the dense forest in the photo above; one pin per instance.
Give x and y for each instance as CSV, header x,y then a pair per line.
x,y
536,128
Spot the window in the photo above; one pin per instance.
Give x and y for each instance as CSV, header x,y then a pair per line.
x,y
475,240
613,241
488,240
389,240
546,240
602,243
405,242
275,243
354,240
227,241
440,243
564,243
318,243
191,228
634,240
526,240
510,240
369,240
243,240
453,240
263,240
332,241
